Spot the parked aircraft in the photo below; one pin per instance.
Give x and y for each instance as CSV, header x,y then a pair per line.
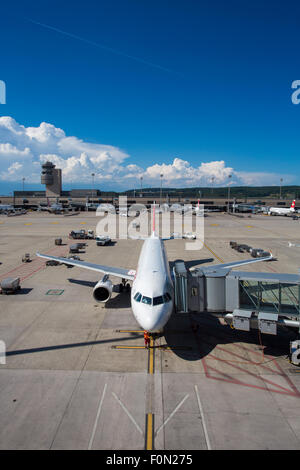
x,y
245,208
54,208
152,292
5,208
282,210
198,211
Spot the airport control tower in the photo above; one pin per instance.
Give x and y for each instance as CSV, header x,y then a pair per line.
x,y
51,177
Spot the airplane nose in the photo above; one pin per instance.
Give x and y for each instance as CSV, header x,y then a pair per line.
x,y
155,319
150,324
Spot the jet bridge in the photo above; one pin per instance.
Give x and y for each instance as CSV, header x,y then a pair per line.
x,y
245,299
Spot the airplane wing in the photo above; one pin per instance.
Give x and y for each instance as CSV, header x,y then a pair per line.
x,y
235,264
118,272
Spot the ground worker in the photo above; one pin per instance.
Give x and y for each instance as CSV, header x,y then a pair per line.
x,y
147,339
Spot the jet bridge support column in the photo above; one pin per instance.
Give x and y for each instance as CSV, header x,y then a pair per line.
x,y
180,287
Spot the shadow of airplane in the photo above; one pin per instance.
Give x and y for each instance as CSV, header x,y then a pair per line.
x,y
191,337
122,300
81,282
18,352
194,335
24,291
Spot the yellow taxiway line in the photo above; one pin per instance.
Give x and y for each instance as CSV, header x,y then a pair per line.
x,y
149,431
212,252
150,416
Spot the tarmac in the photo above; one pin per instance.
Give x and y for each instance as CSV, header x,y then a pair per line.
x,y
77,375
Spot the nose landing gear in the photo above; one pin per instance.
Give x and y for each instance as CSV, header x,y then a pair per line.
x,y
124,286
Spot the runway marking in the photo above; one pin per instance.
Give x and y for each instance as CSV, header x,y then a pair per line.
x,y
128,414
26,270
28,223
249,226
214,225
129,331
149,426
82,223
172,414
202,418
220,259
215,373
151,357
97,419
54,292
149,444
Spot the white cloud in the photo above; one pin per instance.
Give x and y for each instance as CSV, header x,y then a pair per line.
x,y
24,149
182,173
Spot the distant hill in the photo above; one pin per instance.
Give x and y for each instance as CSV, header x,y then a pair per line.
x,y
287,192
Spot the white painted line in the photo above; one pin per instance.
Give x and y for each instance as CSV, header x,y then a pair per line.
x,y
172,414
203,420
128,414
97,418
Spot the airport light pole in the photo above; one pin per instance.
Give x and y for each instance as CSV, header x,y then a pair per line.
x,y
141,178
229,176
93,176
281,179
212,184
23,179
161,177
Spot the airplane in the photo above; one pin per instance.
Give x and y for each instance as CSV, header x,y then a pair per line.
x,y
15,212
282,210
54,208
4,208
198,211
152,292
297,245
77,205
245,208
176,208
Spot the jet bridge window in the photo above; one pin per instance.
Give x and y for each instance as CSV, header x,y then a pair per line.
x,y
146,300
273,297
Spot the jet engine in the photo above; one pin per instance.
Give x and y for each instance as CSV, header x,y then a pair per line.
x,y
103,290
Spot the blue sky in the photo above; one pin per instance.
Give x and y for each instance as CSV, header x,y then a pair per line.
x,y
193,90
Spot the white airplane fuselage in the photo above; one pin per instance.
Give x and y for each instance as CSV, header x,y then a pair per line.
x,y
282,210
152,293
6,207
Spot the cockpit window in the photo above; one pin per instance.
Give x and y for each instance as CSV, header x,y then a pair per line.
x,y
146,300
137,297
158,300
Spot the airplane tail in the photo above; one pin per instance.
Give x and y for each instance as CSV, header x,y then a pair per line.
x,y
153,222
293,205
